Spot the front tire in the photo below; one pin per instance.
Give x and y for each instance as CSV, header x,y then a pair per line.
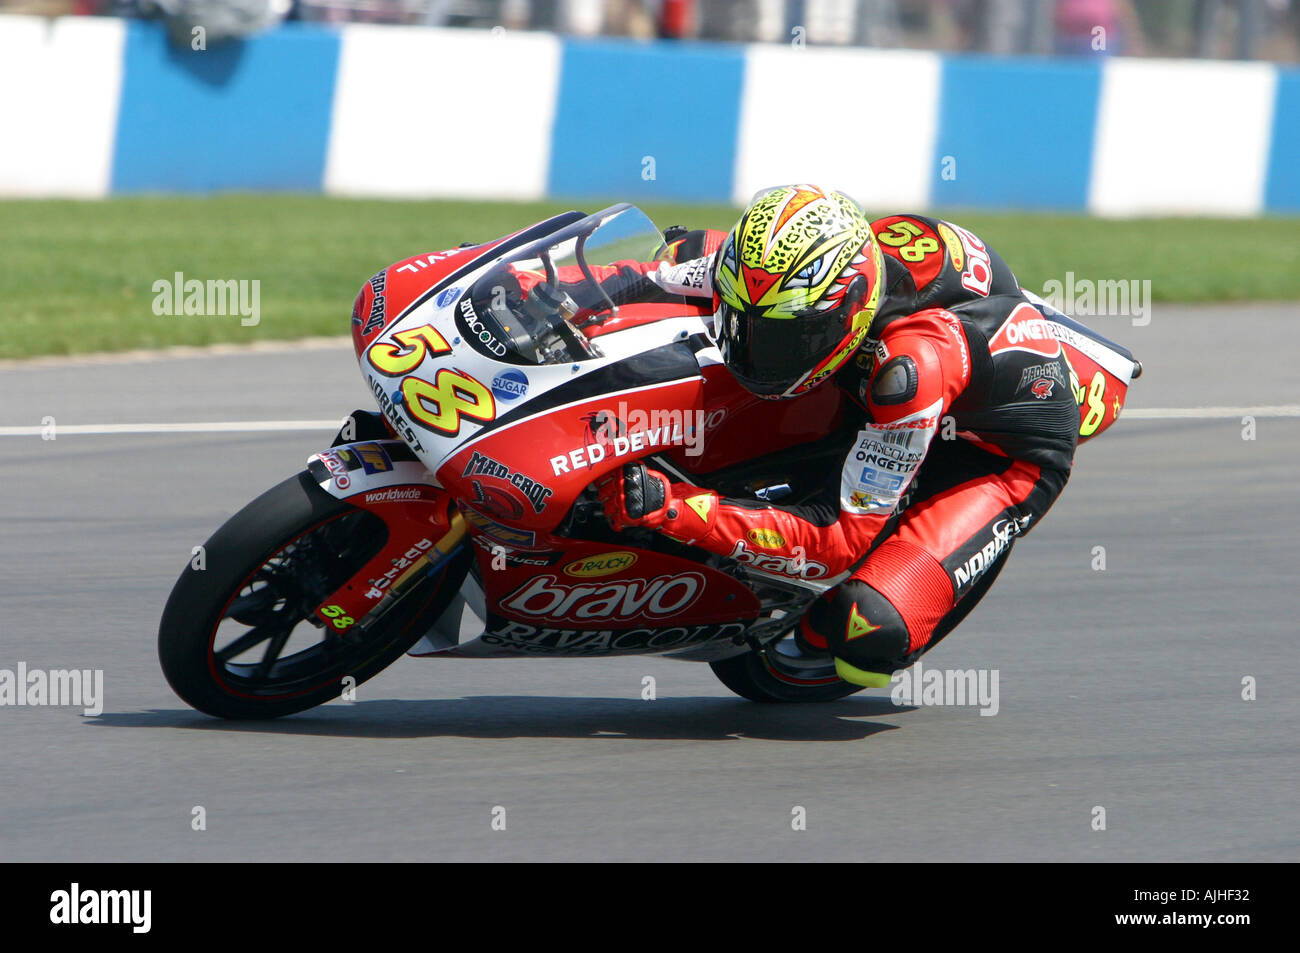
x,y
264,572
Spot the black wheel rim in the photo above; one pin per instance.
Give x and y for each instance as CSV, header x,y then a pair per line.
x,y
267,642
790,664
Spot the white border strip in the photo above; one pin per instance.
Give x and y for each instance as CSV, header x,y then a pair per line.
x,y
177,351
223,426
284,426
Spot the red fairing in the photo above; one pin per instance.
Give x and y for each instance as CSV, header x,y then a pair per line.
x,y
634,315
1100,394
816,543
528,474
599,586
394,289
515,485
738,426
416,518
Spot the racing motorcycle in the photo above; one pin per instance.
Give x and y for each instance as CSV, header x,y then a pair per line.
x,y
460,518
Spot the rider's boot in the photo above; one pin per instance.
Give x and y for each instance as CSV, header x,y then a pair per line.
x,y
814,644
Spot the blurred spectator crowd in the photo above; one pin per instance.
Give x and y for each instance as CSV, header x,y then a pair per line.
x,y
1240,29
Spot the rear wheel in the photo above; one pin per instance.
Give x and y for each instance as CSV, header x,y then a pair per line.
x,y
239,638
781,672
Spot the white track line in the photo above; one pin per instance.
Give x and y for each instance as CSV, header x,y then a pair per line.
x,y
178,351
1209,413
285,426
225,426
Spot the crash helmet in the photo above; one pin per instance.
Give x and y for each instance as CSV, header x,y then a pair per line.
x,y
797,282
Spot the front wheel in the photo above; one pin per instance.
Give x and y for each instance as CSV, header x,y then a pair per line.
x,y
782,673
239,638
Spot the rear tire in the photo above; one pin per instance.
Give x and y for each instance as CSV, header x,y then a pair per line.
x,y
269,566
771,675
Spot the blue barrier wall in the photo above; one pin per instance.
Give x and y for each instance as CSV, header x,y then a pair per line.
x,y
643,121
1283,190
1019,132
615,119
253,114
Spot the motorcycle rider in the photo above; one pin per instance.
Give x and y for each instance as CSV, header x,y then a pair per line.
x,y
906,314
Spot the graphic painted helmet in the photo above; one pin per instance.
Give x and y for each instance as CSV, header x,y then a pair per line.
x,y
798,280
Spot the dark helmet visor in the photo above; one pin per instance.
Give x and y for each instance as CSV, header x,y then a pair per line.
x,y
769,355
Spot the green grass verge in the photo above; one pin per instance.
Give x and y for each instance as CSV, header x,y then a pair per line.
x,y
78,276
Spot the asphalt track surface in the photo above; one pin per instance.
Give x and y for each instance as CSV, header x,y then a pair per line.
x,y
1118,688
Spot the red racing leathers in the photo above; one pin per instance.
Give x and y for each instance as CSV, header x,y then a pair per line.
x,y
963,444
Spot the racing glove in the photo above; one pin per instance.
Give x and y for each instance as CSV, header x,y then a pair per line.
x,y
638,496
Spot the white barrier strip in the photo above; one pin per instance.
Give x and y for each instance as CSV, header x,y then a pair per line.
x,y
470,112
778,80
1175,137
60,82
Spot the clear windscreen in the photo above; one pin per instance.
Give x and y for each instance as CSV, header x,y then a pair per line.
x,y
538,298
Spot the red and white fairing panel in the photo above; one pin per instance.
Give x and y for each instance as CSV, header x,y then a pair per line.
x,y
1099,373
452,395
